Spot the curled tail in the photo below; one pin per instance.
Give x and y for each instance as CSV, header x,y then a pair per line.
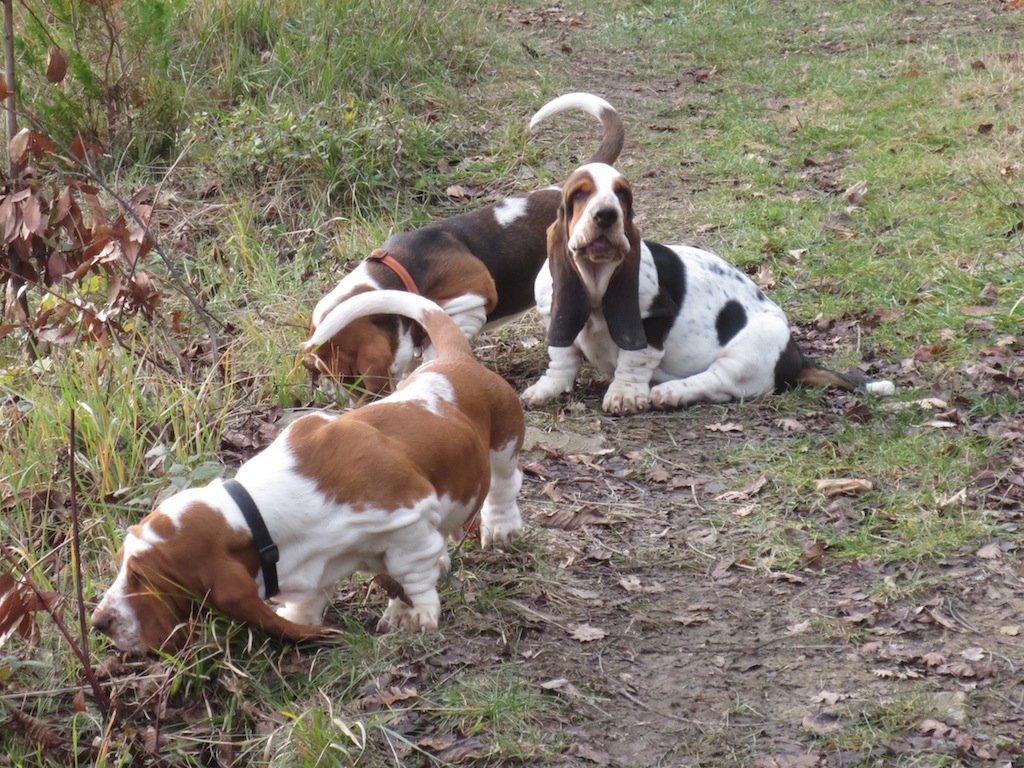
x,y
614,132
814,374
444,334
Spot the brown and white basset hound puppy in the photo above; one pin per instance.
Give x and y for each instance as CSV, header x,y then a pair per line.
x,y
676,317
377,489
479,266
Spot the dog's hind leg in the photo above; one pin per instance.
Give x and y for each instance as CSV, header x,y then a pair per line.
x,y
413,560
500,521
744,368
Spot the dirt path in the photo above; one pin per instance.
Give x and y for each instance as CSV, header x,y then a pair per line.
x,y
674,648
680,653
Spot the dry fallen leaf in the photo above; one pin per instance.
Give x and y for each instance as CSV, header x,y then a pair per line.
x,y
722,568
990,552
764,278
571,519
968,671
586,633
746,492
976,311
632,583
449,749
931,727
18,602
828,697
726,427
841,485
973,653
790,425
388,697
933,659
459,192
800,628
659,475
812,554
554,685
562,686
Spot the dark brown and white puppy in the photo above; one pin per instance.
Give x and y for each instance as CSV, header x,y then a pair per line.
x,y
673,316
479,266
377,489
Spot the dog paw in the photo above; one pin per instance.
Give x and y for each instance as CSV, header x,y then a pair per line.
x,y
301,613
500,535
623,399
399,617
663,396
545,389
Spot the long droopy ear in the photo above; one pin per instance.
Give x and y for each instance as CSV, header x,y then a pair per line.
x,y
236,595
621,302
570,307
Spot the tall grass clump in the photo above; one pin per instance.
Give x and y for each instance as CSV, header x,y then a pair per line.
x,y
309,95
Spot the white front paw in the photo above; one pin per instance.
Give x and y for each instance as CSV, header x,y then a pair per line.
x,y
664,396
421,616
499,534
300,613
622,398
546,388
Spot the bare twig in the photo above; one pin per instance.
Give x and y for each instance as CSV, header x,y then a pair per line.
x,y
76,554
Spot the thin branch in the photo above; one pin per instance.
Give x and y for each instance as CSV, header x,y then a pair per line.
x,y
9,73
76,540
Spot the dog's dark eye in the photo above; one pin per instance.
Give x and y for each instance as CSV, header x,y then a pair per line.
x,y
131,582
623,196
132,579
579,197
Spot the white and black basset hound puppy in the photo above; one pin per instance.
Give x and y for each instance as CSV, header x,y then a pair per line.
x,y
675,317
479,266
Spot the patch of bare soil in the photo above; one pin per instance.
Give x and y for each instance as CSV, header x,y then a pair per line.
x,y
675,649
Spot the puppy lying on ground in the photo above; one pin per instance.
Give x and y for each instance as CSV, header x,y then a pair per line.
x,y
678,317
478,266
376,489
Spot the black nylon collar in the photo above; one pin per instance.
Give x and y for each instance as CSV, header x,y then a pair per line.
x,y
260,535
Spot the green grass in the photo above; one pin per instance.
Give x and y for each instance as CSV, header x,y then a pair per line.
x,y
307,130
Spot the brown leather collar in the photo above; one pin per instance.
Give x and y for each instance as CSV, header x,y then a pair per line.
x,y
419,336
389,261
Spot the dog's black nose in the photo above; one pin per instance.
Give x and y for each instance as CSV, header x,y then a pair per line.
x,y
606,216
101,621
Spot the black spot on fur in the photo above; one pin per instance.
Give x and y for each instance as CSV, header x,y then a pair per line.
x,y
788,367
671,292
731,319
